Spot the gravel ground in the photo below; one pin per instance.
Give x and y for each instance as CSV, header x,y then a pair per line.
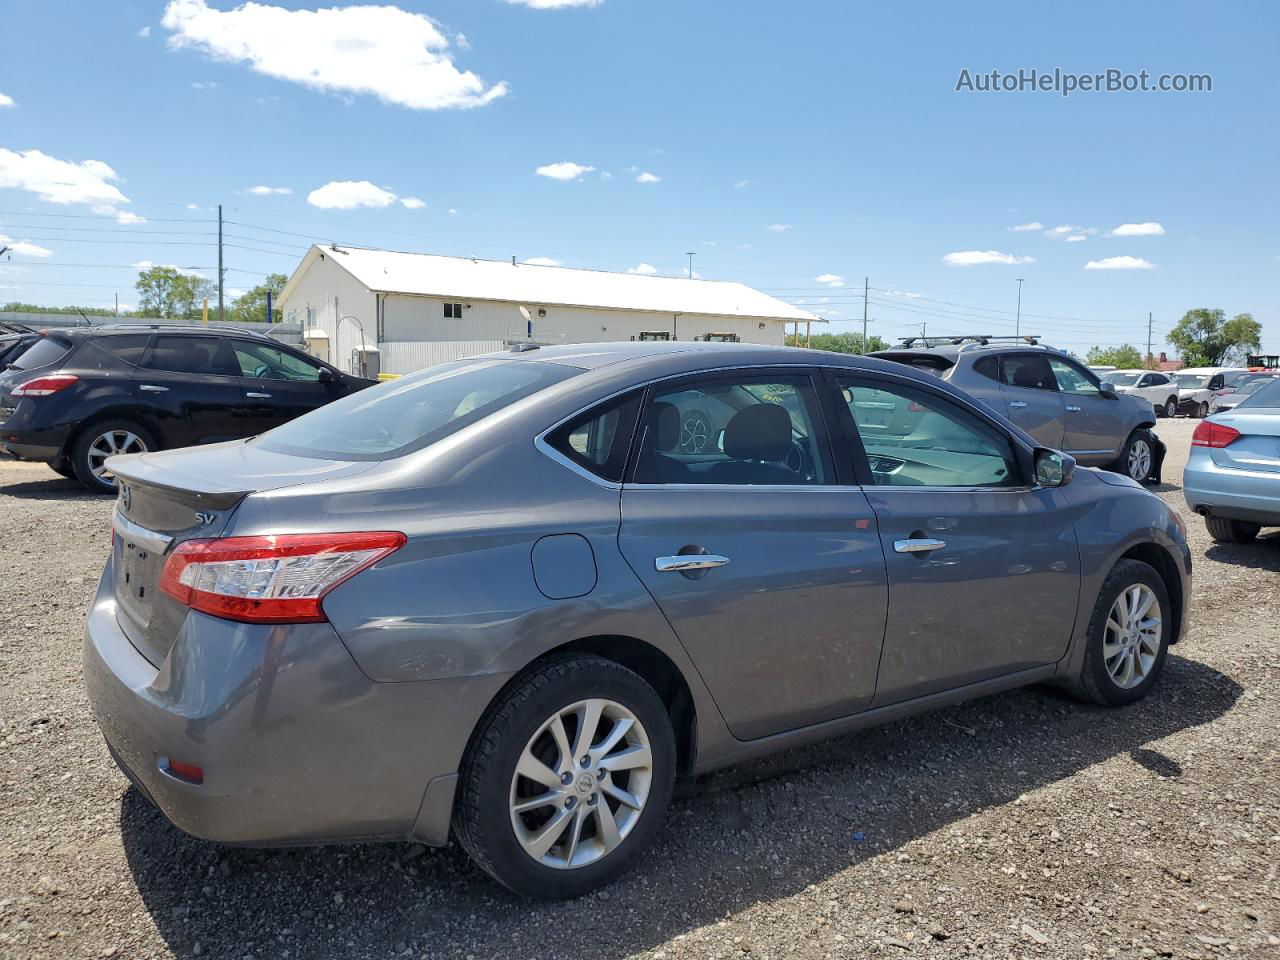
x,y
1023,825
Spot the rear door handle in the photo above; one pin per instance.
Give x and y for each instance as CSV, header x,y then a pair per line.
x,y
258,396
918,545
688,561
152,388
1071,408
1017,404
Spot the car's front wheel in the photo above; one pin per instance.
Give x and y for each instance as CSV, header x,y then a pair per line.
x,y
1202,410
1137,456
92,449
1231,531
567,778
1171,407
1129,635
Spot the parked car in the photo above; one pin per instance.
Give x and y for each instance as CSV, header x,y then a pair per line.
x,y
1158,389
1197,386
1232,477
1229,397
498,599
1049,394
77,397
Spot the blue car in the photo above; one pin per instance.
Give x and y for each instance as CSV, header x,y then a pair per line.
x,y
1233,474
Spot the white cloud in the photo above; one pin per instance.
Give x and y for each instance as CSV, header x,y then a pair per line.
x,y
461,42
740,184
556,4
606,175
710,243
648,177
644,269
263,191
541,262
1027,227
193,206
1120,263
126,217
399,57
61,181
205,84
144,32
1076,238
830,279
779,227
973,258
453,211
147,265
564,170
905,294
350,194
6,100
24,247
412,203
1148,229
234,292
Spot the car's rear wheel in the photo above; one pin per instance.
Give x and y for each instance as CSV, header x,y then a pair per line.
x,y
1171,407
567,777
1128,637
1232,531
1136,456
100,442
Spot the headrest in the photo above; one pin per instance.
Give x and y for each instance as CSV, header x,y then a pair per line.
x,y
759,432
1025,376
664,421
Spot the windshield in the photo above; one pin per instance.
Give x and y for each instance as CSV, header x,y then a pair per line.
x,y
1123,379
405,415
1261,393
1193,381
41,353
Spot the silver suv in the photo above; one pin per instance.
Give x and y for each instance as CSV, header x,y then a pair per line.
x,y
1048,393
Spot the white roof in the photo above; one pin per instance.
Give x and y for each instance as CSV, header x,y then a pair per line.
x,y
386,271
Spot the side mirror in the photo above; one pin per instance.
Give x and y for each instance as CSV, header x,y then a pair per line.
x,y
326,375
1053,469
1107,389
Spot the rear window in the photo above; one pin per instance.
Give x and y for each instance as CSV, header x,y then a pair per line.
x,y
43,352
405,415
1266,396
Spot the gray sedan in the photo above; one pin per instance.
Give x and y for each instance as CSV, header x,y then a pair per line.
x,y
511,599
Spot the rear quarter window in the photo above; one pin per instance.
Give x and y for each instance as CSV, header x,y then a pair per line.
x,y
42,353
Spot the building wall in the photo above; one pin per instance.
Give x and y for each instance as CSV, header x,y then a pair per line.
x,y
410,318
324,294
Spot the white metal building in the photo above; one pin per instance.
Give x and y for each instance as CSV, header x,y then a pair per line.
x,y
416,309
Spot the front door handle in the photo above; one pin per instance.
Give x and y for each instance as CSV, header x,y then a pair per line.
x,y
152,388
688,561
1017,404
258,396
1072,408
918,545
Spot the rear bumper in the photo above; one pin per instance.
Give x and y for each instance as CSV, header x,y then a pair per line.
x,y
1252,495
296,743
27,444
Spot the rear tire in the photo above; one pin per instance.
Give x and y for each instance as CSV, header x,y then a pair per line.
x,y
1171,407
1231,531
1125,653
534,727
63,468
101,441
1137,456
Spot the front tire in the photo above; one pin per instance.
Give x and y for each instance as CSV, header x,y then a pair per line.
x,y
1202,410
567,777
1231,531
1128,639
1137,456
1171,407
102,441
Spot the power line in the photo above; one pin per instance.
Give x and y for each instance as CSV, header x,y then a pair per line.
x,y
98,217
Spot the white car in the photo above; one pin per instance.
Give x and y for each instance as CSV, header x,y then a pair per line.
x,y
1159,389
1198,386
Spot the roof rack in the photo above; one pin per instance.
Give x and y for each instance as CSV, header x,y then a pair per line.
x,y
978,338
183,327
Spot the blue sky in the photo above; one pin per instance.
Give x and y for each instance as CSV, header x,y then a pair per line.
x,y
788,142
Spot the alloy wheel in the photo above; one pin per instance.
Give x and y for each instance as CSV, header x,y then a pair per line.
x,y
111,444
1139,460
581,784
1171,409
1131,641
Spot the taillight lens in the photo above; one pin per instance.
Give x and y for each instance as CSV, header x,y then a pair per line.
x,y
44,386
1210,434
276,579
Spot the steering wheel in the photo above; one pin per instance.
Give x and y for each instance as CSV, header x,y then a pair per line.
x,y
799,460
261,372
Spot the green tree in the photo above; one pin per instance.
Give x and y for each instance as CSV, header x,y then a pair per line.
x,y
840,342
1126,357
1206,338
251,306
169,292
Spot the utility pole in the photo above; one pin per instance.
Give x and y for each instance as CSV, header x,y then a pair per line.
x,y
1148,338
221,313
866,285
117,304
1017,324
690,256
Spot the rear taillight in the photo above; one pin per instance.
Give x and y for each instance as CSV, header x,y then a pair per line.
x,y
278,579
43,386
1210,434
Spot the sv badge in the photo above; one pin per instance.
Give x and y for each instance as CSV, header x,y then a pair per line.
x,y
204,519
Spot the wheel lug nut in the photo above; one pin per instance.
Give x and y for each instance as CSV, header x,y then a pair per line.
x,y
566,778
569,802
602,774
586,761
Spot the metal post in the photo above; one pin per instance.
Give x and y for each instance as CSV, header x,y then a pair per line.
x,y
221,311
866,281
1017,324
690,255
1148,363
808,333
269,306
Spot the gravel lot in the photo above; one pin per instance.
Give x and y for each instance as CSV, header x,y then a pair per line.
x,y
1019,825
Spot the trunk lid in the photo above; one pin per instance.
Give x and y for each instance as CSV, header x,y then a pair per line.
x,y
172,496
1258,447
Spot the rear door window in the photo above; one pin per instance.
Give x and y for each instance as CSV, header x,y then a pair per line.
x,y
207,355
113,353
1031,371
988,367
42,353
401,416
